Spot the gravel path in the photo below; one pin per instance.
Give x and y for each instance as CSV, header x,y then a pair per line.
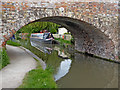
x,y
20,63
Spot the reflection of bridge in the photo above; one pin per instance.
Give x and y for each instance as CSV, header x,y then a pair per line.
x,y
94,25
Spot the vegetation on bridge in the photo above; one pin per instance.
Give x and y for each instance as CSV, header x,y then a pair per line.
x,y
4,59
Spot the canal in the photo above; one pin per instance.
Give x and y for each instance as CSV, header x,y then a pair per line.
x,y
75,70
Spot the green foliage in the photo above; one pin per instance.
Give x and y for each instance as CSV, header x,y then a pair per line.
x,y
62,41
4,59
10,42
38,26
39,78
53,30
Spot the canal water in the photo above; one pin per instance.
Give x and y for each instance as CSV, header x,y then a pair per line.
x,y
75,70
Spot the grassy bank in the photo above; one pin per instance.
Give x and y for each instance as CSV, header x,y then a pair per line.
x,y
62,41
10,42
39,78
4,59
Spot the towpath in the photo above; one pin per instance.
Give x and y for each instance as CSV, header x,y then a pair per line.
x,y
21,62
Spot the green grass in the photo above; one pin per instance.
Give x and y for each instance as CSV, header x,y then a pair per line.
x,y
63,41
10,42
4,59
39,78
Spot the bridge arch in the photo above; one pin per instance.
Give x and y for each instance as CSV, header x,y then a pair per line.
x,y
88,38
103,15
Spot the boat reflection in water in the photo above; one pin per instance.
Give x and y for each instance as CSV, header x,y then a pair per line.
x,y
39,46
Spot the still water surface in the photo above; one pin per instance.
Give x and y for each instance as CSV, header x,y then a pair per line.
x,y
75,70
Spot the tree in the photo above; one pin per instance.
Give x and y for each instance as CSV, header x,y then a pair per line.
x,y
36,27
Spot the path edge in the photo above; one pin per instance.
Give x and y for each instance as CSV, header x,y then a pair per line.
x,y
43,64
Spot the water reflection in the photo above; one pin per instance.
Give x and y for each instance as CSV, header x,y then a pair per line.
x,y
79,71
63,69
89,72
41,47
62,53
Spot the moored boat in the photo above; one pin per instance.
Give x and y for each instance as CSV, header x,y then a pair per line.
x,y
44,37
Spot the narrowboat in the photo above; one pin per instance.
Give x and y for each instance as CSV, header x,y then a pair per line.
x,y
43,37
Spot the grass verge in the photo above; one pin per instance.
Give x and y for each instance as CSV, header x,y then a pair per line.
x,y
4,59
10,42
39,78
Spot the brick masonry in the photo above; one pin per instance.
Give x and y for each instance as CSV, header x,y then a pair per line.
x,y
101,14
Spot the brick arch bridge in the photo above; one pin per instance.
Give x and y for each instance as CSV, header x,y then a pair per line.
x,y
93,24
